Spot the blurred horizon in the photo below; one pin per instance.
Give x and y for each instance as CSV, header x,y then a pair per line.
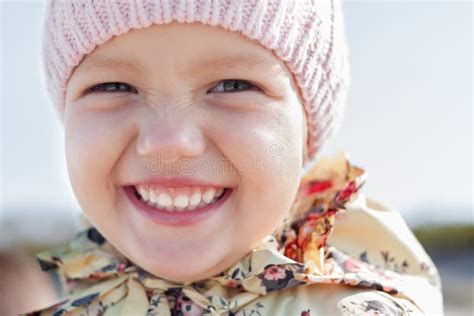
x,y
408,118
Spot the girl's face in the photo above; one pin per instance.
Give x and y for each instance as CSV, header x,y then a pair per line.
x,y
202,124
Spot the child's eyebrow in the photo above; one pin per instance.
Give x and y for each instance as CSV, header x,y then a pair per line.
x,y
247,62
243,61
101,62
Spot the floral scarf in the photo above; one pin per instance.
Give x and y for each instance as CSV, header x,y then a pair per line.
x,y
288,273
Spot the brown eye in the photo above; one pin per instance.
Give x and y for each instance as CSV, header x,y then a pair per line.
x,y
112,87
234,85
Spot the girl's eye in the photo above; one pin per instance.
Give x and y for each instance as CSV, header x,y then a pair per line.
x,y
112,87
234,85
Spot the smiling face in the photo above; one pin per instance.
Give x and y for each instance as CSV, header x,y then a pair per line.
x,y
184,146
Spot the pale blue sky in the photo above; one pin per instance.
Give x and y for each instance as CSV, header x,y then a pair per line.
x,y
408,118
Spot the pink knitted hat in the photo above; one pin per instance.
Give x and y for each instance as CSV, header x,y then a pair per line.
x,y
307,35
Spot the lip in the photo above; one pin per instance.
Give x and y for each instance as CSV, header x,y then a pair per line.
x,y
184,218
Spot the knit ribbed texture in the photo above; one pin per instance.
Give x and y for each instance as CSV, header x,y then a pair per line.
x,y
307,35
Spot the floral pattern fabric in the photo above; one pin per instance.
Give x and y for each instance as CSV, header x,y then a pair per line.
x,y
336,253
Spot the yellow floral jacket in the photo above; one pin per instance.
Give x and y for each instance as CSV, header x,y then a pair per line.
x,y
339,253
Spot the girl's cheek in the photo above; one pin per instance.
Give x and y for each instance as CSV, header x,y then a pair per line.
x,y
265,146
93,142
266,149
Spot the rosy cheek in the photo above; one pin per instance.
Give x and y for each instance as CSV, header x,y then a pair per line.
x,y
94,142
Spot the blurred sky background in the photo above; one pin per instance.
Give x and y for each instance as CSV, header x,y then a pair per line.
x,y
408,119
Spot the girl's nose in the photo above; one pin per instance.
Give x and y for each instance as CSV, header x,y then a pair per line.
x,y
170,137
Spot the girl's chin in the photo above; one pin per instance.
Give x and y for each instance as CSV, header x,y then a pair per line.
x,y
182,268
191,257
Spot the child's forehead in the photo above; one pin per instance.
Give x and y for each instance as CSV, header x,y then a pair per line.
x,y
185,63
193,46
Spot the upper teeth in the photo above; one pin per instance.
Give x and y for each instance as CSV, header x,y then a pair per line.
x,y
178,199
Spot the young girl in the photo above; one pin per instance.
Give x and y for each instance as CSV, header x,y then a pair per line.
x,y
192,132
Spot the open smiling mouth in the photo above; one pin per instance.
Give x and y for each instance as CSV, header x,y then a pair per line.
x,y
176,205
